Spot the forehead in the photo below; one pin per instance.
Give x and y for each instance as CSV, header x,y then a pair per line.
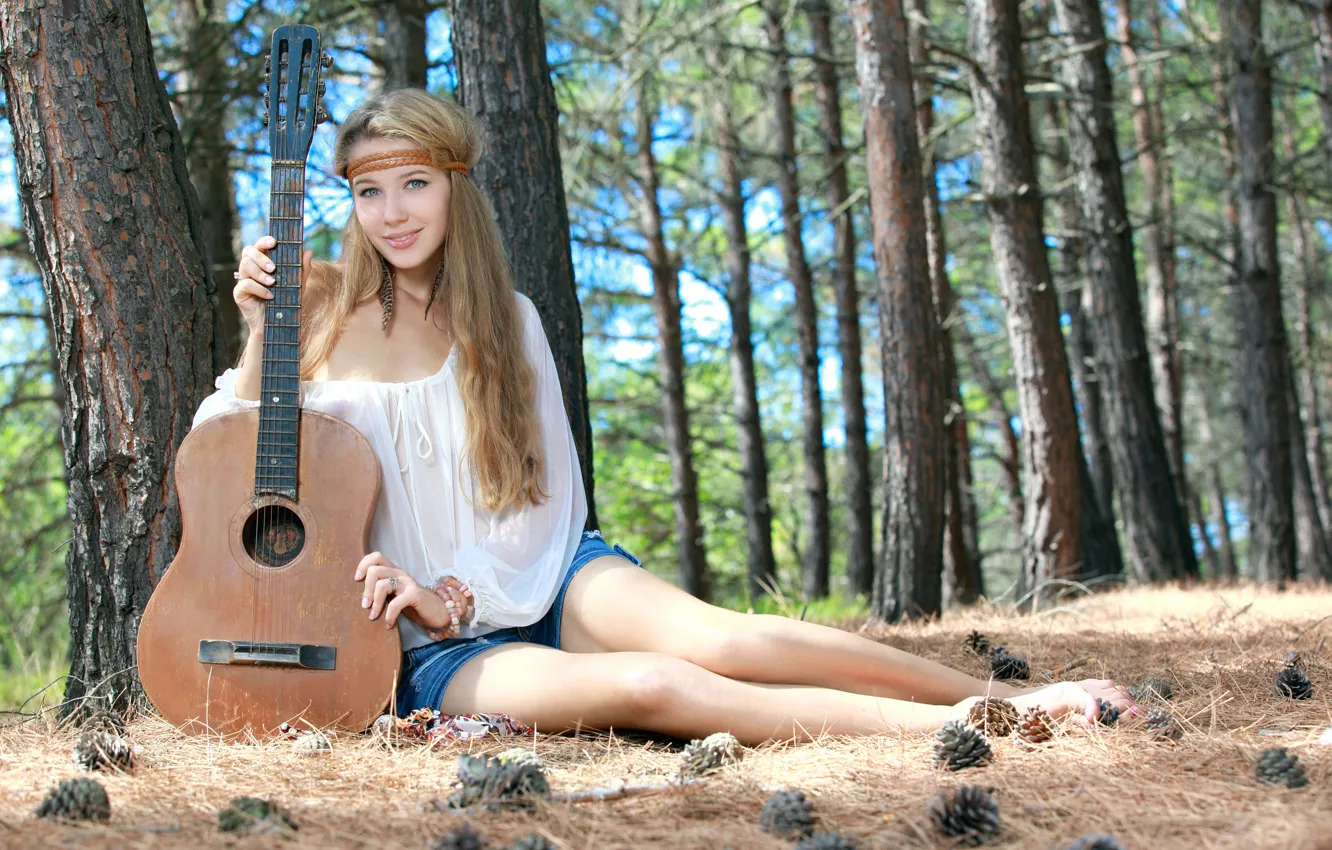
x,y
368,147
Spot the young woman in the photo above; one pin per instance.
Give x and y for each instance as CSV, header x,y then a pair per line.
x,y
502,601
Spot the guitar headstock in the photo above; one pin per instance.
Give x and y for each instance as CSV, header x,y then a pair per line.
x,y
294,93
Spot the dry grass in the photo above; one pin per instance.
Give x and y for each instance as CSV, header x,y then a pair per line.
x,y
1220,648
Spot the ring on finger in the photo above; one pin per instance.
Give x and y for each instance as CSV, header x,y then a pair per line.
x,y
236,275
393,582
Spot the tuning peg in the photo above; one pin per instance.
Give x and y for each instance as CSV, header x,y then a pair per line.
x,y
325,61
323,89
265,116
265,101
321,114
268,64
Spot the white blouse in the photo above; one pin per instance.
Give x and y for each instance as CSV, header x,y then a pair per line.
x,y
426,521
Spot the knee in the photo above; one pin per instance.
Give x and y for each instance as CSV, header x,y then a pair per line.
x,y
652,685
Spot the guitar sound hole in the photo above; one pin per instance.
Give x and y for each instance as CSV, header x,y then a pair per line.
x,y
273,535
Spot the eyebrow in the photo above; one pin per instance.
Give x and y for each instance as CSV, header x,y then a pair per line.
x,y
411,173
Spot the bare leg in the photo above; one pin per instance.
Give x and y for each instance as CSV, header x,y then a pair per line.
x,y
613,606
557,691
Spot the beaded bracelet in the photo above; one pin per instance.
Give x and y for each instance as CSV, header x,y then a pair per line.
x,y
441,588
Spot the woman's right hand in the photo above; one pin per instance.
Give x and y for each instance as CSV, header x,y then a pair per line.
x,y
255,277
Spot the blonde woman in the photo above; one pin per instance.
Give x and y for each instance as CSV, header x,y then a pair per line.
x,y
502,601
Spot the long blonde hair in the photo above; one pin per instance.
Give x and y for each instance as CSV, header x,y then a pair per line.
x,y
475,302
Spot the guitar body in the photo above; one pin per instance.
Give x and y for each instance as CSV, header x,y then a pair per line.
x,y
300,592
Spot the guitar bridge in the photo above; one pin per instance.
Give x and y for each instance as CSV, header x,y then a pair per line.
x,y
305,655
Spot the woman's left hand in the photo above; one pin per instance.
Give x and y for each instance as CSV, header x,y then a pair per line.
x,y
384,580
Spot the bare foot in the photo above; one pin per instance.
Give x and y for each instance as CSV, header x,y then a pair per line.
x,y
1071,698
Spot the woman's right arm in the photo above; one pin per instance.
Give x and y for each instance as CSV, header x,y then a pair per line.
x,y
239,387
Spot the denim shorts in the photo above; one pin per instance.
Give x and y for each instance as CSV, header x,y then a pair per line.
x,y
427,670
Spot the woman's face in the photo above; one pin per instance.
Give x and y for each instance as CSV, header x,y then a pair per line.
x,y
404,210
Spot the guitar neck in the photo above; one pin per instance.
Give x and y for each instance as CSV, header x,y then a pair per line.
x,y
279,410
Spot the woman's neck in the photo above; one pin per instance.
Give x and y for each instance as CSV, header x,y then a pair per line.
x,y
418,282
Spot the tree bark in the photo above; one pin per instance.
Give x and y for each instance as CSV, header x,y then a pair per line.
x,y
694,577
503,78
108,209
910,579
818,548
859,509
963,581
1149,505
1051,539
1161,311
203,108
404,25
1264,358
1229,568
762,568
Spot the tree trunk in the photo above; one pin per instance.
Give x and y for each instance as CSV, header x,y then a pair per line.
x,y
1160,294
203,111
909,582
694,577
1051,539
818,548
1322,18
1306,261
859,510
963,582
1149,506
1010,459
1264,358
762,568
107,205
1229,568
503,78
404,54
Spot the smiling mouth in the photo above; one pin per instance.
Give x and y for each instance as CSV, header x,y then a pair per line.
x,y
402,241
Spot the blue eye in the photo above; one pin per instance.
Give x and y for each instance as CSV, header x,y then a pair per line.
x,y
416,180
365,193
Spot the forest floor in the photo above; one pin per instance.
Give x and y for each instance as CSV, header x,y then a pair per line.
x,y
1220,648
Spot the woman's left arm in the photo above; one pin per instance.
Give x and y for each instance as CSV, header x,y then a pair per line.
x,y
515,571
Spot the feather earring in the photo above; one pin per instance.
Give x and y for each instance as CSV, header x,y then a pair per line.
x,y
434,289
386,293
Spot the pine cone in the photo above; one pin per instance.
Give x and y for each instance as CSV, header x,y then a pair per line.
x,y
488,781
521,755
1005,666
1291,682
1153,687
254,816
1036,726
977,643
706,755
959,746
1162,726
459,838
994,717
787,813
1278,767
969,814
1109,715
533,841
98,750
1094,842
827,840
76,799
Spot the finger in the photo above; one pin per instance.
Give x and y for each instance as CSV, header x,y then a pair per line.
x,y
382,592
396,606
366,562
249,287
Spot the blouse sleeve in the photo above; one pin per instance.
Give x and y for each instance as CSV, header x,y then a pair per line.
x,y
515,571
223,400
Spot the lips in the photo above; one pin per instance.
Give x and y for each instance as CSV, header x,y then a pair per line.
x,y
404,241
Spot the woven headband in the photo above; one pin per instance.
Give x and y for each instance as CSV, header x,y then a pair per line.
x,y
394,159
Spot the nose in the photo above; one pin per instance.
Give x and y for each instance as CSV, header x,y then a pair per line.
x,y
393,209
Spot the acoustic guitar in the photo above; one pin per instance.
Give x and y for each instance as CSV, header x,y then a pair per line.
x,y
258,621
